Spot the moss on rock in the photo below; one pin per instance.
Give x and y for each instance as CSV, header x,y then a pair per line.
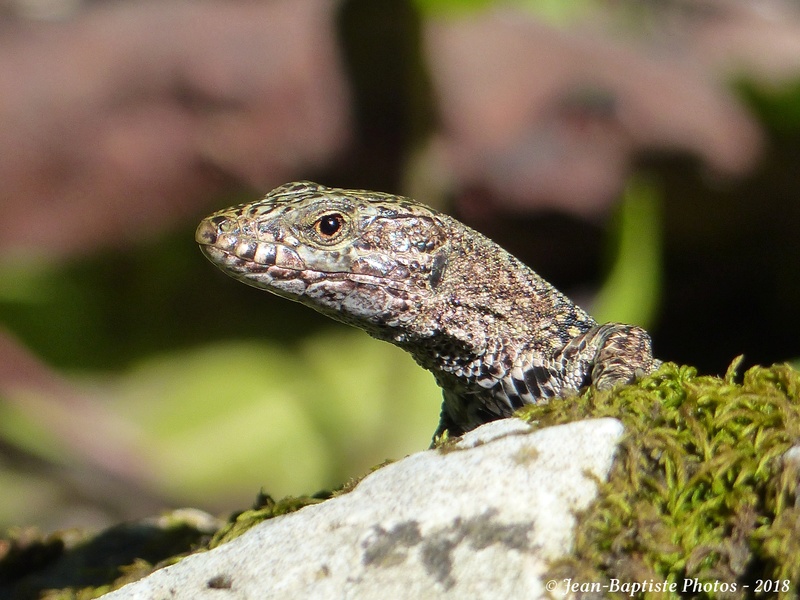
x,y
265,508
700,492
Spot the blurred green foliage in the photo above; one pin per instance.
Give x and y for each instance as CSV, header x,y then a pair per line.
x,y
553,11
238,416
229,389
631,291
778,106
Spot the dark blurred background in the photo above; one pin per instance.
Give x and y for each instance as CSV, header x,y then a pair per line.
x,y
642,156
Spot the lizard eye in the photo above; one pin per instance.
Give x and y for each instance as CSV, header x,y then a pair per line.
x,y
327,226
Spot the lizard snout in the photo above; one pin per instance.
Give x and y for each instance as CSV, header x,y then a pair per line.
x,y
206,233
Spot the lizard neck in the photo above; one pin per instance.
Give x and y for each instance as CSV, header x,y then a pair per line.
x,y
487,308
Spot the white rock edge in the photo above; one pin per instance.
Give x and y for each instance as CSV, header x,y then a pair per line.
x,y
480,521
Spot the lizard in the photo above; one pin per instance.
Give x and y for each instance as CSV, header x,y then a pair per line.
x,y
495,335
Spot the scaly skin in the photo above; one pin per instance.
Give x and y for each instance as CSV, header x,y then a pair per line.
x,y
495,335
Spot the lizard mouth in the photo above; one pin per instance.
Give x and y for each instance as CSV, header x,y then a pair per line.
x,y
220,246
362,299
234,251
273,267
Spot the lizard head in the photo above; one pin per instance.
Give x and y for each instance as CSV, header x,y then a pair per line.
x,y
365,258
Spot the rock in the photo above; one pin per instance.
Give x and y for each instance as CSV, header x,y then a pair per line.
x,y
479,519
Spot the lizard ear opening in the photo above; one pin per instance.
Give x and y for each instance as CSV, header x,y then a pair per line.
x,y
437,269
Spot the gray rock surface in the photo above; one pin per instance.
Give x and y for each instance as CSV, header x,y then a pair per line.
x,y
481,520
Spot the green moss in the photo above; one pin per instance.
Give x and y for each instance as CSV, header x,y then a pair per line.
x,y
265,508
699,490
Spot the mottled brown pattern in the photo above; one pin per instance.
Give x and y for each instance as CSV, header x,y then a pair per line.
x,y
495,335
